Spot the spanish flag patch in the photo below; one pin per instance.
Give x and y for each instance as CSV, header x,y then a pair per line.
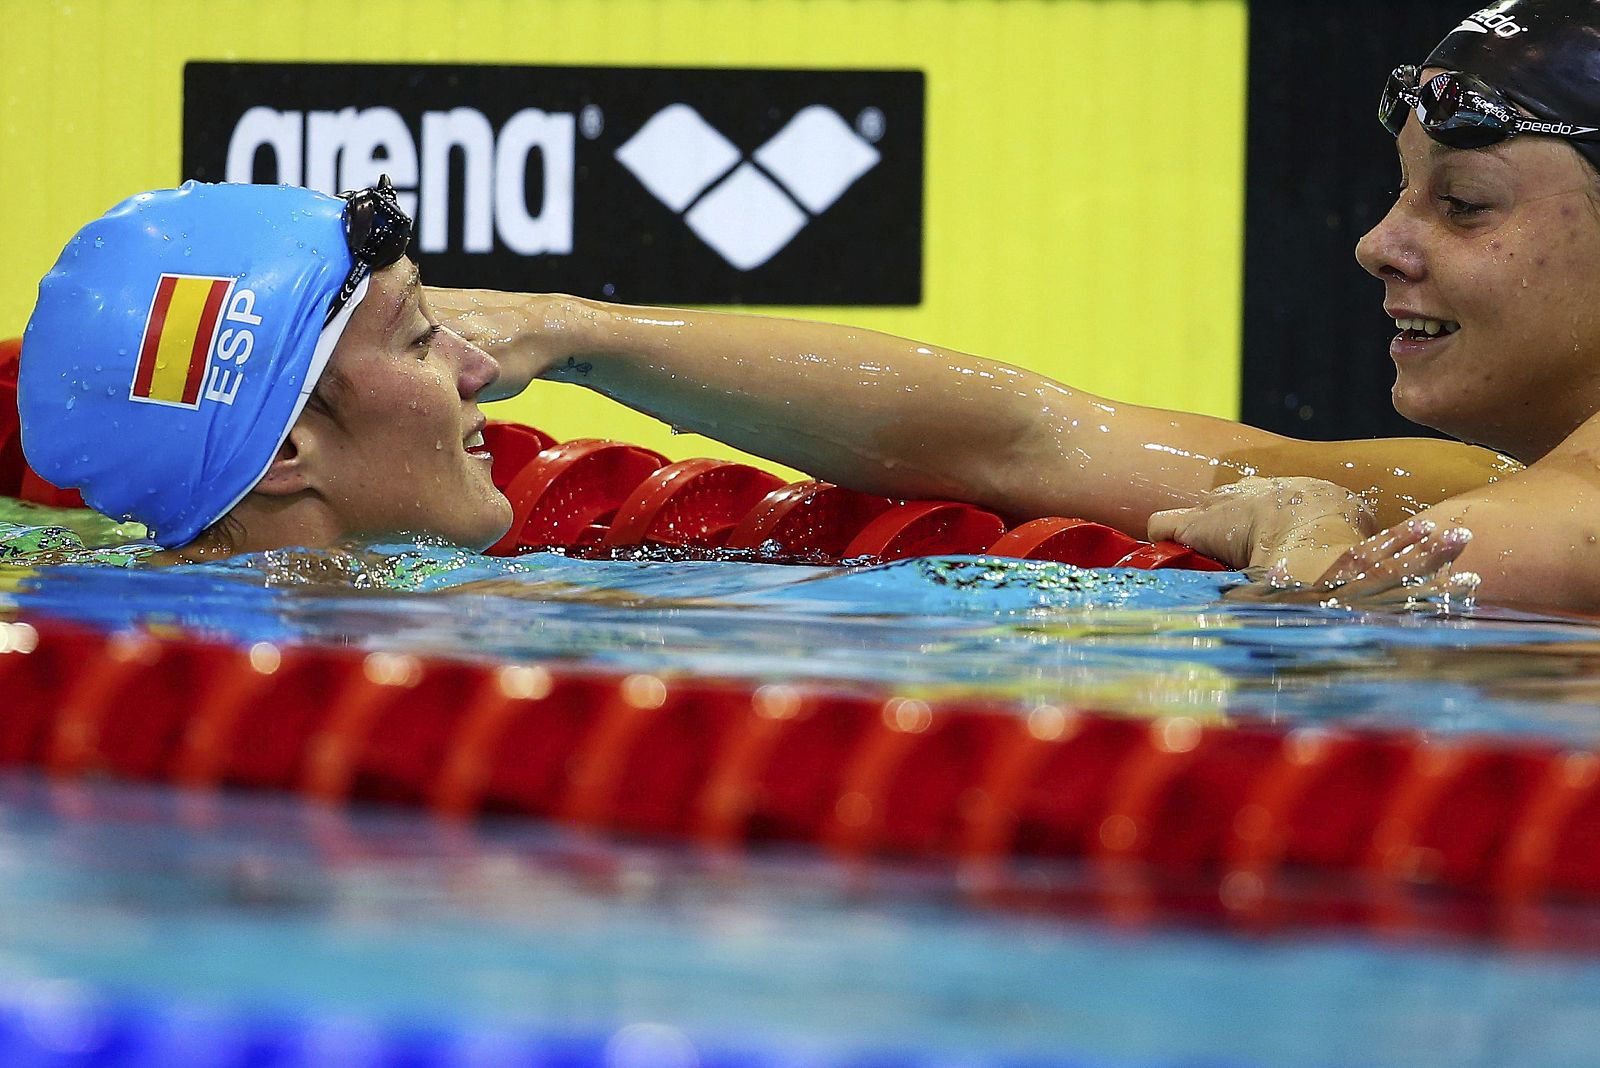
x,y
177,339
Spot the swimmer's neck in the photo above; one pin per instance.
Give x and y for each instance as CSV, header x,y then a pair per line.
x,y
259,523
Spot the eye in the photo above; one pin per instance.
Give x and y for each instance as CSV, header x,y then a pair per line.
x,y
425,339
1456,208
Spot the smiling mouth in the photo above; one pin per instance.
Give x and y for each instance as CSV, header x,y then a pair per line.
x,y
1426,329
475,446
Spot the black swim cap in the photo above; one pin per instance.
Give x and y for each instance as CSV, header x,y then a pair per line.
x,y
1544,55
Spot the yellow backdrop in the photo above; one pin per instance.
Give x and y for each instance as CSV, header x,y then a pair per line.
x,y
1085,158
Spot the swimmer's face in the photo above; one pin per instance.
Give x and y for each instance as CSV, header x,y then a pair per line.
x,y
1504,241
400,439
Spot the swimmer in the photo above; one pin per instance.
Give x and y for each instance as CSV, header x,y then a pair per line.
x,y
1490,259
245,367
272,450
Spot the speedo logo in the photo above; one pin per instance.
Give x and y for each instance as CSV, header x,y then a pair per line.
x,y
1490,21
1563,128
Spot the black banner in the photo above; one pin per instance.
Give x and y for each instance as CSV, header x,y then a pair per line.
x,y
644,185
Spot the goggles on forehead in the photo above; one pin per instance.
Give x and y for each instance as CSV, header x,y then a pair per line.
x,y
377,232
1462,111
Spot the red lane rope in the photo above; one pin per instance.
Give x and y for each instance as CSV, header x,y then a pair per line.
x,y
860,773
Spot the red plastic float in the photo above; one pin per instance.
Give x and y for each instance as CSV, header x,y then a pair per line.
x,y
513,447
1069,541
11,461
807,519
10,358
1164,554
1250,806
692,503
570,491
926,528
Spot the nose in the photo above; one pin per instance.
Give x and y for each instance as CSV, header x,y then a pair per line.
x,y
477,369
1389,250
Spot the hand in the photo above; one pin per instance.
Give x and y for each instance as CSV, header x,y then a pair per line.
x,y
527,334
1403,563
1300,524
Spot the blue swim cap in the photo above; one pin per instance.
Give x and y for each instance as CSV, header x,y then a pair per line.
x,y
174,344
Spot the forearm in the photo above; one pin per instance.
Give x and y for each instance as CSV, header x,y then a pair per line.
x,y
865,409
904,419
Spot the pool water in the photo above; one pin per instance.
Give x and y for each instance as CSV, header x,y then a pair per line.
x,y
139,920
350,938
1143,642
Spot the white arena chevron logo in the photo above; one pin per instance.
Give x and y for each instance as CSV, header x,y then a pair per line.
x,y
747,210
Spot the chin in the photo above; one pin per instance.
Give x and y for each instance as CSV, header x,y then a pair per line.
x,y
1431,412
1452,419
496,521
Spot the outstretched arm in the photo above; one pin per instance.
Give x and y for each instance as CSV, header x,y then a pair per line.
x,y
904,419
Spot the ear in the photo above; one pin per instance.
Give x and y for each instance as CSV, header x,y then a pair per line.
x,y
293,469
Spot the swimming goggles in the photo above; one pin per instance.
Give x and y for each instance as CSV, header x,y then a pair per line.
x,y
377,232
1462,111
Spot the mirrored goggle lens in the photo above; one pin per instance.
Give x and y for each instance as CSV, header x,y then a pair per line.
x,y
1461,115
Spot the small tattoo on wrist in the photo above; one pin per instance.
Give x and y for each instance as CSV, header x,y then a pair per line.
x,y
580,368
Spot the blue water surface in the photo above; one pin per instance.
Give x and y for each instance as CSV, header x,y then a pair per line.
x,y
145,926
1115,639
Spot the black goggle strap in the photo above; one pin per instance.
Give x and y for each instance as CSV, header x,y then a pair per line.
x,y
352,282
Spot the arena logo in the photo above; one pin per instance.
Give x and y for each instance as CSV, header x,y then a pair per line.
x,y
350,148
695,186
747,216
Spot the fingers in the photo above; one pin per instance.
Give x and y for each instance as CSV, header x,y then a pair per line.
x,y
1165,526
1219,533
1411,552
1408,561
1381,546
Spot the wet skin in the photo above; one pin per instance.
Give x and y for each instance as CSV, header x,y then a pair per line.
x,y
1504,240
394,451
892,416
